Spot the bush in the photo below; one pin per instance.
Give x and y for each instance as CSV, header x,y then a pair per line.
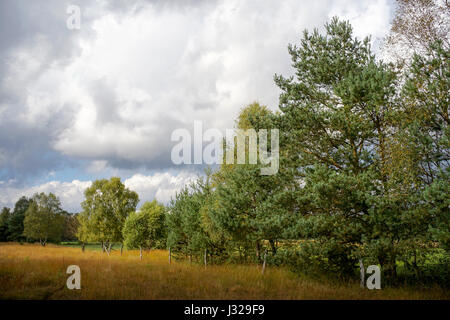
x,y
432,268
316,258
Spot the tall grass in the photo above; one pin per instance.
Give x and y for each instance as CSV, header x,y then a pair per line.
x,y
34,272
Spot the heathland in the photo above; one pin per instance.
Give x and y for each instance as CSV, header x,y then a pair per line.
x,y
34,272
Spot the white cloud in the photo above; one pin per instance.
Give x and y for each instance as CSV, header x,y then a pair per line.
x,y
160,186
70,193
145,74
367,18
97,166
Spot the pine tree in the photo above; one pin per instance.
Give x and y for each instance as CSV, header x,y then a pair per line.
x,y
336,116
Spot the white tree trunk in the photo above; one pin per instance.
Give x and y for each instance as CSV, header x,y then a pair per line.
x,y
108,248
361,270
264,263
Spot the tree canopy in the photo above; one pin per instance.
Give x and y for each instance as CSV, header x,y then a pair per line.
x,y
44,218
106,206
146,228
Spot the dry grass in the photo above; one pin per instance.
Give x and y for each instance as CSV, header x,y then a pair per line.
x,y
33,272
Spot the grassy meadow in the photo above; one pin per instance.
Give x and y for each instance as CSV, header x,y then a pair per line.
x,y
30,271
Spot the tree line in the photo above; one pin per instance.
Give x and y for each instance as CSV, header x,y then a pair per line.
x,y
39,218
109,217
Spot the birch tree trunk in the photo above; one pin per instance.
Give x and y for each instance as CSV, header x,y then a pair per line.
x,y
264,263
361,271
107,247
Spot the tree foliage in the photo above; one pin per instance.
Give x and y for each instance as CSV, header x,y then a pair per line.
x,y
190,230
15,223
146,228
416,24
44,218
4,218
106,206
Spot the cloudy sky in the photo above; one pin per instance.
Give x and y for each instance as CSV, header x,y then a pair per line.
x,y
102,101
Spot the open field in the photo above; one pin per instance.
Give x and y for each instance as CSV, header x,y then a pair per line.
x,y
34,272
88,246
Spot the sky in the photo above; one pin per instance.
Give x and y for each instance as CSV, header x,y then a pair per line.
x,y
100,101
